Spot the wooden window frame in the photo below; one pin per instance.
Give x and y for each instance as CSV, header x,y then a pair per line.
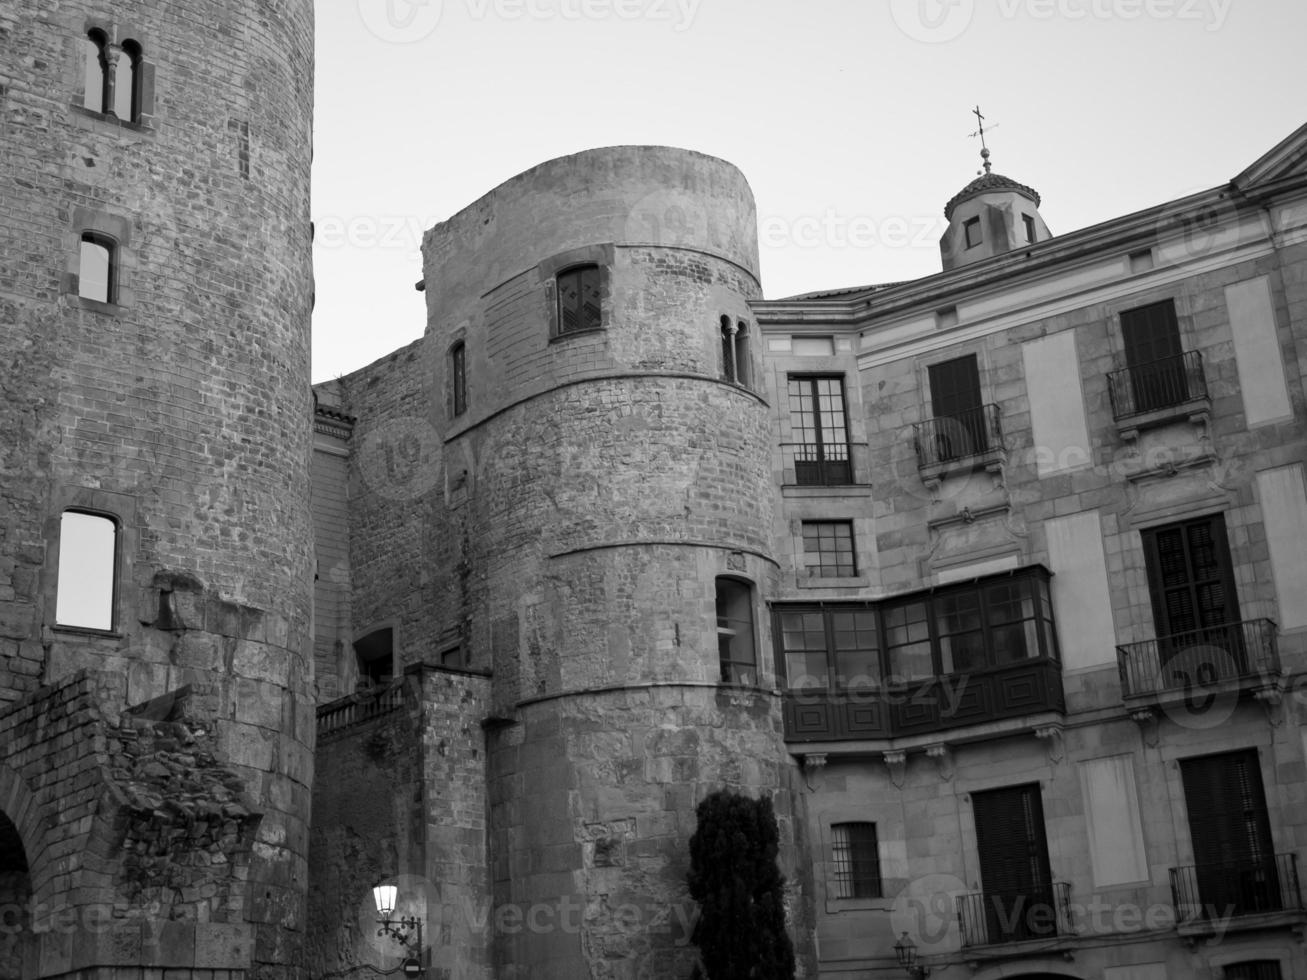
x,y
815,531
826,466
1034,580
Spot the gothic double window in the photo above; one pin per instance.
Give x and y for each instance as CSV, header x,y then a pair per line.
x,y
117,78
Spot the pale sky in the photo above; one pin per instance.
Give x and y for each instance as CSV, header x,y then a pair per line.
x,y
849,118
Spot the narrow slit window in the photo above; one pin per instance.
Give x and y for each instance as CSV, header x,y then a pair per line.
x,y
95,274
458,376
96,80
88,557
1029,224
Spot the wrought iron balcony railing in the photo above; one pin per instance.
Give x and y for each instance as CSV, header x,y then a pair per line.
x,y
1168,383
1222,890
954,438
827,465
987,918
1200,659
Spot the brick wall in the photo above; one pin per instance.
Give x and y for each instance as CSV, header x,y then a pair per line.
x,y
400,798
181,409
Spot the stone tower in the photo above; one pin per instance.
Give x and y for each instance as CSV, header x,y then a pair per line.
x,y
991,216
605,523
155,556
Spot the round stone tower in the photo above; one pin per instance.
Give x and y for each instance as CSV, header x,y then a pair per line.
x,y
155,550
608,501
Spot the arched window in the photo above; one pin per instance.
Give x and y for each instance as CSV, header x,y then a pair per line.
x,y
458,377
579,306
735,351
97,71
96,272
127,83
376,657
88,565
735,641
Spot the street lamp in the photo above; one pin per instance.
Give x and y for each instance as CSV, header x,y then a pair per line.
x,y
906,950
407,931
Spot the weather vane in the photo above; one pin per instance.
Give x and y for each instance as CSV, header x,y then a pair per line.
x,y
984,150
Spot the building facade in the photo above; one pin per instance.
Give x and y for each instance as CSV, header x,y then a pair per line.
x,y
994,582
1020,581
1040,622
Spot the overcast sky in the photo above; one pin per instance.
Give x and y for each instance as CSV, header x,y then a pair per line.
x,y
850,119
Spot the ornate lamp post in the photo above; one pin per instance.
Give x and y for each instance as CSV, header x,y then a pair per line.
x,y
906,950
407,930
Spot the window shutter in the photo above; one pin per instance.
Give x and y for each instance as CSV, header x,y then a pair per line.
x,y
1150,333
1191,578
954,387
1227,808
1011,840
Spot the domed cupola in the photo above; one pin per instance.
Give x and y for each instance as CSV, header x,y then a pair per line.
x,y
991,215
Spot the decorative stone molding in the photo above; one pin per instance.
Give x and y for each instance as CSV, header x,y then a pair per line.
x,y
942,754
897,761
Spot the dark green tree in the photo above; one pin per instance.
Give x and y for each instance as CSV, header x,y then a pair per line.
x,y
739,887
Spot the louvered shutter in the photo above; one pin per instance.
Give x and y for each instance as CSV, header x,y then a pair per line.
x,y
1231,833
1014,870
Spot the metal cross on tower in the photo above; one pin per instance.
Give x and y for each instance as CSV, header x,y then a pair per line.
x,y
984,150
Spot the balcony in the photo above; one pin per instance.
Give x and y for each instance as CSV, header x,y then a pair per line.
x,y
959,443
1206,662
1211,895
1158,393
992,918
1016,690
808,464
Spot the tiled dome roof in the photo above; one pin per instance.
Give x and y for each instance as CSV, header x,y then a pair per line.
x,y
985,183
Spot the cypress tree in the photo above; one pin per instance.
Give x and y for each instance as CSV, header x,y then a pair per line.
x,y
739,887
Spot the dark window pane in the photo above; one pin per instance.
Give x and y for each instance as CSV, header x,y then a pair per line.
x,y
578,299
828,548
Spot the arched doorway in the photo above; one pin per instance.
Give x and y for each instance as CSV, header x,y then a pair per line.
x,y
15,901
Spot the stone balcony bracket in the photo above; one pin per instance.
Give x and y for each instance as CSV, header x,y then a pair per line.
x,y
897,761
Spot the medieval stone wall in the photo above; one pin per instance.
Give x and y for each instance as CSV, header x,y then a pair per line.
x,y
178,409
